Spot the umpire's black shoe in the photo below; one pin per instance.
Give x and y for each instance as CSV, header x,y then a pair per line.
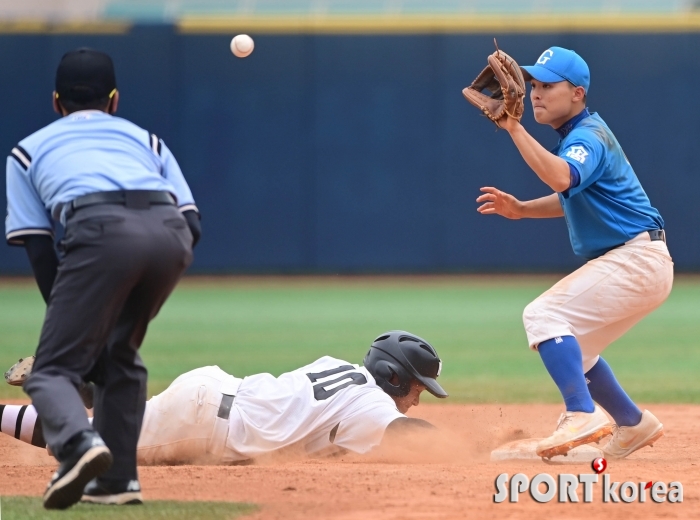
x,y
82,459
113,493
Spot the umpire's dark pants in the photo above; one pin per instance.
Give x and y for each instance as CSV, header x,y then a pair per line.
x,y
119,267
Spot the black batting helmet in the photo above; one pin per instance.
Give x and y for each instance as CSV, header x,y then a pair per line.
x,y
409,357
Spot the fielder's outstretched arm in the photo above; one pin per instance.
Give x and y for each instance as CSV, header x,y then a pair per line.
x,y
497,202
552,170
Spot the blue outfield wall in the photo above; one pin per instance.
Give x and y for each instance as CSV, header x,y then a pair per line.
x,y
347,153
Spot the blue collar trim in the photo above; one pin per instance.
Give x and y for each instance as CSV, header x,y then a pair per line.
x,y
567,127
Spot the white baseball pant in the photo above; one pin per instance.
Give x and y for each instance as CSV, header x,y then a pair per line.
x,y
604,298
180,424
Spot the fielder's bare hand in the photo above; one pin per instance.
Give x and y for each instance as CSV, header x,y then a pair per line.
x,y
497,202
508,123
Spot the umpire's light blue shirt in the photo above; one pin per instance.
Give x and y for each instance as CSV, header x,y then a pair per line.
x,y
85,152
609,206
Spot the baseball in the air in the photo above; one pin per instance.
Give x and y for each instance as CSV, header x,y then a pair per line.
x,y
242,45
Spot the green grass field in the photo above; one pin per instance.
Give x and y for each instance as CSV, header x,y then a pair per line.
x,y
249,325
31,508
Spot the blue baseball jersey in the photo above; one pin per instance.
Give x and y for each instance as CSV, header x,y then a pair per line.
x,y
85,152
609,206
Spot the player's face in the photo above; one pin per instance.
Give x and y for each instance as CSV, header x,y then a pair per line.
x,y
411,399
553,103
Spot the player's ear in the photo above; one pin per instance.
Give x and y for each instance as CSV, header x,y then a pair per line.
x,y
113,102
55,103
579,94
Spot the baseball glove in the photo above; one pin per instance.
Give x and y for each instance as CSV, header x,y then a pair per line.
x,y
20,371
504,80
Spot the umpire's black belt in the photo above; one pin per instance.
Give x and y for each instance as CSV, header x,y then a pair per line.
x,y
135,199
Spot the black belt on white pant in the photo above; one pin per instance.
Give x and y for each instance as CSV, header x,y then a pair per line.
x,y
657,234
225,407
219,434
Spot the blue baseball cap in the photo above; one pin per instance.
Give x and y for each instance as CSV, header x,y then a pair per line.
x,y
558,64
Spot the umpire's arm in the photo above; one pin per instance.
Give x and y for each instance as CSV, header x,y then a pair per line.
x,y
172,172
42,256
27,223
193,217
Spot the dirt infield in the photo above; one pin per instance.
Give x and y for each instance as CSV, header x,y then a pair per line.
x,y
453,479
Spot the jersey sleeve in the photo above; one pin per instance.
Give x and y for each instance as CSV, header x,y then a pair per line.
x,y
26,214
364,430
173,173
584,151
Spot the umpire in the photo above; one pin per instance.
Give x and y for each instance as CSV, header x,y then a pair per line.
x,y
130,225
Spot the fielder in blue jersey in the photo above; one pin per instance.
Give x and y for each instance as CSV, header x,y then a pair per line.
x,y
611,224
130,225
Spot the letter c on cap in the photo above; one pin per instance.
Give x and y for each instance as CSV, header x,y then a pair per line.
x,y
546,55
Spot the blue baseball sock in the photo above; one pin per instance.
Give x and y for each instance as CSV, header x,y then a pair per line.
x,y
562,359
608,393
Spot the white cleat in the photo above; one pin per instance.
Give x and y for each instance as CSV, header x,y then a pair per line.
x,y
575,429
628,439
